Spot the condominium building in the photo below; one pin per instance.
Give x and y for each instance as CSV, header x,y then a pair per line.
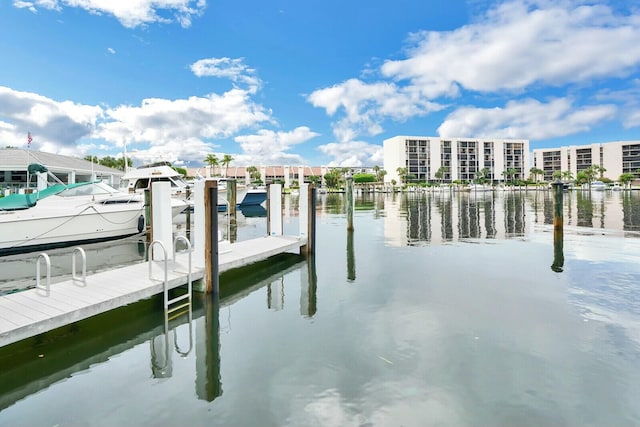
x,y
615,157
463,159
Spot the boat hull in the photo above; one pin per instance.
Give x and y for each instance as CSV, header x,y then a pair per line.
x,y
23,231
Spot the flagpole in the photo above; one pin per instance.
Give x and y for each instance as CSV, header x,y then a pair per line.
x,y
124,147
29,139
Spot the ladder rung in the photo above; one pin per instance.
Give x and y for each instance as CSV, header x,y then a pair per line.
x,y
175,316
176,299
171,310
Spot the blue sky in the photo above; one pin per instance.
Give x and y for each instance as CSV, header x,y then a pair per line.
x,y
312,82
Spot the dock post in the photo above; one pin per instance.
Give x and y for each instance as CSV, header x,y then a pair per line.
x,y
232,197
211,237
232,194
147,215
161,225
350,204
274,210
188,212
558,227
307,209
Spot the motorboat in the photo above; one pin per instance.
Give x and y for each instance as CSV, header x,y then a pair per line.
x,y
67,214
598,186
616,187
140,179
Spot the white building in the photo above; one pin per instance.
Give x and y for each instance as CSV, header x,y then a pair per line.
x,y
460,158
616,157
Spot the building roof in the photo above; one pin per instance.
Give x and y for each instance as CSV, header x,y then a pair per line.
x,y
19,159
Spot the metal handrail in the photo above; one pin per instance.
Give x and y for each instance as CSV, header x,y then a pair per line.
x,y
74,277
164,250
47,286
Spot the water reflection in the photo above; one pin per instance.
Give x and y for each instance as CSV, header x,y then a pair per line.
x,y
433,218
351,257
35,364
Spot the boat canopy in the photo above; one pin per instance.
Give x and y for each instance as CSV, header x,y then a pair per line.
x,y
15,202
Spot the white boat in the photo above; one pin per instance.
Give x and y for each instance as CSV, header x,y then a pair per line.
x,y
598,186
141,178
616,187
63,215
478,188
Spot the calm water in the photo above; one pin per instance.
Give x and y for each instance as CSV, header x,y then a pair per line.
x,y
437,310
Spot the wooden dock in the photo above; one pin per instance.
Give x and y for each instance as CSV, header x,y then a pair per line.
x,y
32,312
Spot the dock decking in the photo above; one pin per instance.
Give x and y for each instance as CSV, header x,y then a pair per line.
x,y
32,312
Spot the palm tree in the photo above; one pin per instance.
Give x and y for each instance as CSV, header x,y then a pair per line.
x,y
226,159
254,174
626,178
439,175
402,173
566,176
536,172
212,161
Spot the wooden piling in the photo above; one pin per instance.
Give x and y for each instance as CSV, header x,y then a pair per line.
x,y
350,204
310,247
211,237
232,197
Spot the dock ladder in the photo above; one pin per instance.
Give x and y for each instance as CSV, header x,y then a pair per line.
x,y
173,307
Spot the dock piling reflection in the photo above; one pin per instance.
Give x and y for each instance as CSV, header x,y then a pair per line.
x,y
558,227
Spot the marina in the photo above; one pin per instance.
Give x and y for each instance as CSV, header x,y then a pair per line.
x,y
437,308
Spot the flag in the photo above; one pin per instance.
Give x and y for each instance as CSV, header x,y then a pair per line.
x,y
29,139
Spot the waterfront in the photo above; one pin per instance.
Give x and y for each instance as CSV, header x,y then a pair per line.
x,y
438,309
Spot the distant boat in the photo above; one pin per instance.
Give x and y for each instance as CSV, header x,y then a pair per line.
x,y
477,188
598,186
616,187
141,178
63,215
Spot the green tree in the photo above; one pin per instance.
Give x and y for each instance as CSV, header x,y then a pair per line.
x,y
333,178
566,176
212,161
582,177
626,178
535,173
364,177
481,175
440,173
226,160
254,175
403,174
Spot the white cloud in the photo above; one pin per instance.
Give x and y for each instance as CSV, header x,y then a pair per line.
x,y
366,105
522,48
353,153
130,13
232,69
111,50
162,122
519,44
528,119
49,121
269,147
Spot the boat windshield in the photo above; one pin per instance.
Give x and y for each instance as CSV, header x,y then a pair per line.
x,y
90,189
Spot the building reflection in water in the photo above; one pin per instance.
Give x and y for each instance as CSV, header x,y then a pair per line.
x,y
443,217
433,218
